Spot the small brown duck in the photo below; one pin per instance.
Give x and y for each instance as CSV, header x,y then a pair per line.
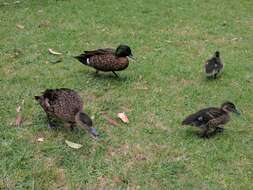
x,y
67,106
108,59
213,66
210,118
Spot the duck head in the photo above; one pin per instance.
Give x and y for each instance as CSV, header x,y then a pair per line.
x,y
124,51
217,54
229,107
87,124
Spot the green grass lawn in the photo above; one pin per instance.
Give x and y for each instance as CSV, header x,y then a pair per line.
x,y
170,39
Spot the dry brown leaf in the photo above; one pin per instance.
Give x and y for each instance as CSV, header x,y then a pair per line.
x,y
110,120
18,120
54,52
20,26
73,145
123,117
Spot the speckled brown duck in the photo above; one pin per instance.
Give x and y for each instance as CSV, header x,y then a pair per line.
x,y
67,106
213,66
209,119
108,59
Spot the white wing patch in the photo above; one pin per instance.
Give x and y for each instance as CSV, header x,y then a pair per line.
x,y
88,61
200,118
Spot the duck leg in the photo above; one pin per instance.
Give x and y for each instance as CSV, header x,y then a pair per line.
x,y
97,72
72,125
204,134
215,75
50,122
115,74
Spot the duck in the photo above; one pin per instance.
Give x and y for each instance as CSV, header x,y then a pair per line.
x,y
213,66
65,105
210,119
108,59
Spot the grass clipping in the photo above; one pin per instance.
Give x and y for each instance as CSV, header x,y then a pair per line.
x,y
73,145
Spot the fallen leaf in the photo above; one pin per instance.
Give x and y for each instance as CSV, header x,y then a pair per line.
x,y
4,4
73,145
18,109
110,120
40,11
20,26
16,2
41,139
54,52
45,23
18,120
234,39
123,117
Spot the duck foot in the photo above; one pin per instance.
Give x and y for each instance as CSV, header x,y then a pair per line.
x,y
115,74
72,127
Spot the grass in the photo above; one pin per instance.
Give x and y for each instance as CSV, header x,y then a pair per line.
x,y
170,40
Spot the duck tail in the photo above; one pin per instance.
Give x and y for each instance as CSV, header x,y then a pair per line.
x,y
82,58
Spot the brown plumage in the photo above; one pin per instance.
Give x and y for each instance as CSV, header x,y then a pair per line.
x,y
67,106
107,59
213,66
210,118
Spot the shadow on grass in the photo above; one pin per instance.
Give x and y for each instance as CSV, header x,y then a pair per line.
x,y
106,76
197,134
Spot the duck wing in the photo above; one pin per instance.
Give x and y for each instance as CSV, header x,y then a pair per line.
x,y
62,102
221,120
202,117
84,57
100,51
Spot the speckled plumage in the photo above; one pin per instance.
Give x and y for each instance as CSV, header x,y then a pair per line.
x,y
107,59
66,105
213,66
62,103
210,118
108,62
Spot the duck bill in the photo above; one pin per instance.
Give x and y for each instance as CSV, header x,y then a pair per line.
x,y
236,112
131,57
93,132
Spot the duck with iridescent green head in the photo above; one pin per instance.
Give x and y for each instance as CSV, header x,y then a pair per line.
x,y
108,59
